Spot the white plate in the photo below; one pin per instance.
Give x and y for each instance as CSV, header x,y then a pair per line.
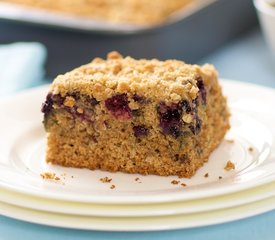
x,y
22,148
138,224
144,210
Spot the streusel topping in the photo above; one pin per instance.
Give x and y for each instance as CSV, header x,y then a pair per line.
x,y
171,80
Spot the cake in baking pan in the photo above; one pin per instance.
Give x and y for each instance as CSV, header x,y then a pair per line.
x,y
118,11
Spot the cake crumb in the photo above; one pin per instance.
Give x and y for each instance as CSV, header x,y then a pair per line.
x,y
229,166
72,176
250,149
230,140
112,187
206,175
175,182
49,176
138,180
220,177
183,185
106,180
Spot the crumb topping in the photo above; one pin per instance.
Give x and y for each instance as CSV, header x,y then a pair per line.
x,y
171,80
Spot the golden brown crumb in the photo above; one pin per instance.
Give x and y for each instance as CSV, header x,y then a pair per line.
x,y
175,182
47,175
220,177
112,187
114,55
50,176
106,180
69,102
230,140
183,185
80,110
137,179
250,149
229,166
206,175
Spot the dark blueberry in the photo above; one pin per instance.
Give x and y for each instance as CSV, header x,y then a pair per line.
x,y
138,98
195,103
137,112
118,106
201,87
175,130
48,104
186,107
93,102
58,100
196,127
75,95
170,119
140,130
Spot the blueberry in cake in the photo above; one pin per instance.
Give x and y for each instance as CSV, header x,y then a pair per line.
x,y
135,116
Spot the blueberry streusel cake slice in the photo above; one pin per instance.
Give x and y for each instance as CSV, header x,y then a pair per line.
x,y
135,116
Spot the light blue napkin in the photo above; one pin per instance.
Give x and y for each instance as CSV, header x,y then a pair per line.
x,y
21,66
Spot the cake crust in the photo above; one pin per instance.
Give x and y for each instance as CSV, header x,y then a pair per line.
x,y
135,116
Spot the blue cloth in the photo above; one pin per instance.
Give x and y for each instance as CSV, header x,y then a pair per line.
x,y
246,59
21,66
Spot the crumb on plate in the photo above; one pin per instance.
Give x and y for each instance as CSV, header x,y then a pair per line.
x,y
106,180
229,166
250,149
50,176
175,182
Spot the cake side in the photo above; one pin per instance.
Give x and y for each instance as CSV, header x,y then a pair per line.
x,y
165,120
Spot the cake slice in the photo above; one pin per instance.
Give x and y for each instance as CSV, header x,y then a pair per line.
x,y
135,116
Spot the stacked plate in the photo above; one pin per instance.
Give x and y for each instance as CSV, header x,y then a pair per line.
x,y
33,191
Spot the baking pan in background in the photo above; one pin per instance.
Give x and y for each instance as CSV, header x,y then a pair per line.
x,y
189,35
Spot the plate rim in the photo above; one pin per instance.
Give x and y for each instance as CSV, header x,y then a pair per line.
x,y
139,224
163,209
